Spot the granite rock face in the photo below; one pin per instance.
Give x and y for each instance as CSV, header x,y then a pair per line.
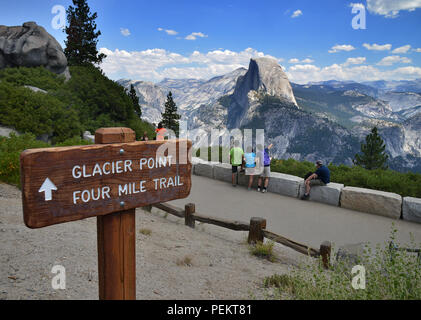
x,y
411,209
329,194
30,45
5,131
372,201
88,136
264,75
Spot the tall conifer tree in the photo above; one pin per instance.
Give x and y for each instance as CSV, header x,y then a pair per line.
x,y
373,155
135,100
170,118
82,37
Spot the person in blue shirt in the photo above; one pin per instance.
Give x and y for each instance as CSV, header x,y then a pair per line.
x,y
250,160
319,178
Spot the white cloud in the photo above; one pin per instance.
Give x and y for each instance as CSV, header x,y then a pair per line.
x,y
353,61
307,60
171,32
341,47
168,31
309,73
357,5
295,60
156,64
297,13
194,35
403,49
377,47
390,60
125,32
391,8
417,49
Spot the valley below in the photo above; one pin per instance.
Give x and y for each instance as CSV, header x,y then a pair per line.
x,y
322,120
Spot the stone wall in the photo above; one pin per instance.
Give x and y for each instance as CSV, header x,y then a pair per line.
x,y
359,199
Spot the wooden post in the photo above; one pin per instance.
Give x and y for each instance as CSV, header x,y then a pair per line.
x,y
189,209
255,232
116,238
325,251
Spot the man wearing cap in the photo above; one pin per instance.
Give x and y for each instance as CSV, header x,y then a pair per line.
x,y
320,178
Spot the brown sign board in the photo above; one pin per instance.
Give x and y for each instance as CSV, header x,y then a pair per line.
x,y
72,183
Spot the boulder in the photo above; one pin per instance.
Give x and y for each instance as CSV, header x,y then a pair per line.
x,y
223,172
328,194
411,209
88,136
5,131
204,169
284,184
35,89
30,45
372,201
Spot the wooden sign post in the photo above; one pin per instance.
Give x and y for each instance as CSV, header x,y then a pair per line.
x,y
108,180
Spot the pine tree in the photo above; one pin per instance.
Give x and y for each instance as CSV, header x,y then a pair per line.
x,y
373,155
170,117
82,37
135,100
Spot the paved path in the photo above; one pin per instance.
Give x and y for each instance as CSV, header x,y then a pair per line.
x,y
303,221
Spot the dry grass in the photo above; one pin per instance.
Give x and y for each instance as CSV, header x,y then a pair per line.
x,y
263,250
186,261
146,232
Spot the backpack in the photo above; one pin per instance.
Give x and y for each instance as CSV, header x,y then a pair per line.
x,y
266,159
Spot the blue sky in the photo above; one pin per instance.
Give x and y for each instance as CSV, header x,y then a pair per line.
x,y
150,40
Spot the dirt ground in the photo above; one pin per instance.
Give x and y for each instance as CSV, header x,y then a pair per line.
x,y
219,263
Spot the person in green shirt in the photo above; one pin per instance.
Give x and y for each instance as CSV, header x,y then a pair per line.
x,y
236,160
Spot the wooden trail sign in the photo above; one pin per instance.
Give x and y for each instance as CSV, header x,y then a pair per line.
x,y
108,180
71,183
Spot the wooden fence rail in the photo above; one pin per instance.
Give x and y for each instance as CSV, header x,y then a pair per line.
x,y
256,227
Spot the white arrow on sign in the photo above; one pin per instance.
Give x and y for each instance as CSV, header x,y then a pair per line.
x,y
47,188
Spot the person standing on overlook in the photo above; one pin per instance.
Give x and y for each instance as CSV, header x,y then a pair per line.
x,y
145,136
236,160
265,160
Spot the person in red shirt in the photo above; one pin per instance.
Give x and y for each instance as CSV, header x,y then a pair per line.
x,y
160,132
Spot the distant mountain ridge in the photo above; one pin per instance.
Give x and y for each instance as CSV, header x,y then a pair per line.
x,y
321,120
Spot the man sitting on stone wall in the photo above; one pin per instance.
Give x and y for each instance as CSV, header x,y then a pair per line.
x,y
320,178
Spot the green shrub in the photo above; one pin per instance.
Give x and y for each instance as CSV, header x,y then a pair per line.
x,y
263,250
75,141
10,150
38,77
390,275
405,184
88,101
12,147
